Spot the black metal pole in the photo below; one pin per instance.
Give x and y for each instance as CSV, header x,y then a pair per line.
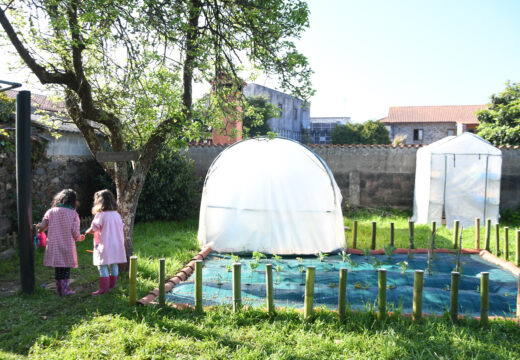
x,y
23,186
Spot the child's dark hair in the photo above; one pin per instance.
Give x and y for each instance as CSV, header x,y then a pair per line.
x,y
66,197
104,200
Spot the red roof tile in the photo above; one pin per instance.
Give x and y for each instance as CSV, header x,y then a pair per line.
x,y
464,114
40,102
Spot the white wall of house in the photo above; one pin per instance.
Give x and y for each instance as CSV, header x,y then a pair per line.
x,y
294,117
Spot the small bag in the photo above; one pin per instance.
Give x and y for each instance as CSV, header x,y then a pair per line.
x,y
42,239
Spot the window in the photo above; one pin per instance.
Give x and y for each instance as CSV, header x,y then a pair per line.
x,y
451,132
417,134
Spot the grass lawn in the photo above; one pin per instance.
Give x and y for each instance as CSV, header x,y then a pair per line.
x,y
83,327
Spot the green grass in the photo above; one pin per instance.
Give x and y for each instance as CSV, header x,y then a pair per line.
x,y
44,326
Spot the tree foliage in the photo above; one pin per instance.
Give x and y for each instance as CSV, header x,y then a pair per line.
x,y
7,107
255,121
500,123
127,68
369,132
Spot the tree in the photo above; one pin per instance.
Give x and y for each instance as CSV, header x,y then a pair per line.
x,y
369,132
127,68
255,121
500,123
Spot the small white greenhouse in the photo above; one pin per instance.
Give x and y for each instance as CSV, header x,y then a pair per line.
x,y
274,196
460,177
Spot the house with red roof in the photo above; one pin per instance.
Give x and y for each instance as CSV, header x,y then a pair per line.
x,y
427,124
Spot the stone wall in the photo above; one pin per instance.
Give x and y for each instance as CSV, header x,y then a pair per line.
x,y
50,175
379,175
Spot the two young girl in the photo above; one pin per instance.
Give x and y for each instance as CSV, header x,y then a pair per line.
x,y
62,223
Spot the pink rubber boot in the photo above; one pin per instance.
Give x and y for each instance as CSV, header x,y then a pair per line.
x,y
65,289
104,285
113,281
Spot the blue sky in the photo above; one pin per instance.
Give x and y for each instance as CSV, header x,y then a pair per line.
x,y
371,54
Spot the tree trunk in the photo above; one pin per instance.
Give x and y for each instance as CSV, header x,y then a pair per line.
x,y
127,200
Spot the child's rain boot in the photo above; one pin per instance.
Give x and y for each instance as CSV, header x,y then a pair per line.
x,y
65,289
58,287
113,281
104,285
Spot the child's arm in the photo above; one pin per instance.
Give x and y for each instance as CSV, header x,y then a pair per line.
x,y
76,234
89,231
44,224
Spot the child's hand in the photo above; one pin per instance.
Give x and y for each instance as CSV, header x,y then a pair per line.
x,y
81,237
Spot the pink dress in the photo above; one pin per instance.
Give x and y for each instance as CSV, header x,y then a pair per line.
x,y
109,239
62,233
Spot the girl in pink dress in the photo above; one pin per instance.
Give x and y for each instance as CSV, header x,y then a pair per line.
x,y
109,240
62,224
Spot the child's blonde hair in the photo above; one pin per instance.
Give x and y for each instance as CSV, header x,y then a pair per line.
x,y
104,200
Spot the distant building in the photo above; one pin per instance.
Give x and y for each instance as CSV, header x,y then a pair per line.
x,y
427,124
321,128
294,113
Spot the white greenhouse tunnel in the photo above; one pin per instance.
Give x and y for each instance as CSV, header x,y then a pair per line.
x,y
271,195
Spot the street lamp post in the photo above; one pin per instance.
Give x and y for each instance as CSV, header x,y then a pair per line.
x,y
23,184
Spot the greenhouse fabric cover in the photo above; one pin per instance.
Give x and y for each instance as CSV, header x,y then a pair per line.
x,y
459,175
273,196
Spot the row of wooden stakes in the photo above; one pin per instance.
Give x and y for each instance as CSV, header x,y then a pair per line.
x,y
309,291
456,235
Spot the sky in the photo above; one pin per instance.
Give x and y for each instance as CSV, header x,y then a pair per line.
x,y
368,55
372,54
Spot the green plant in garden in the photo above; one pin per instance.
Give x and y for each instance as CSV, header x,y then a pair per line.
x,y
276,257
258,256
229,268
235,258
301,269
376,263
321,256
344,255
219,279
361,285
389,250
351,261
253,265
403,265
366,252
299,259
278,268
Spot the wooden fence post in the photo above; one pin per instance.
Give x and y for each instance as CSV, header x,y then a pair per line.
x,y
237,287
417,295
454,296
456,233
373,243
132,281
517,246
488,234
381,287
309,292
434,231
410,230
497,239
392,240
506,243
342,296
269,288
198,286
477,233
484,298
162,279
354,234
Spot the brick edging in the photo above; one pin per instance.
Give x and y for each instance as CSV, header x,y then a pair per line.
x,y
182,275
